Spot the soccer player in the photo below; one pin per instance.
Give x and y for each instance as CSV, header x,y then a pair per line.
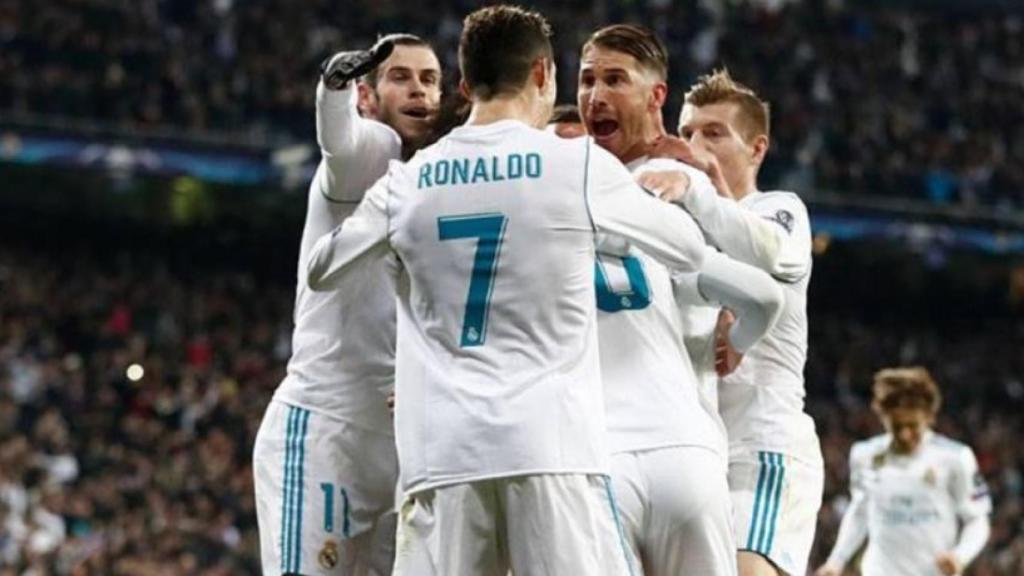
x,y
776,472
499,414
913,490
667,447
324,458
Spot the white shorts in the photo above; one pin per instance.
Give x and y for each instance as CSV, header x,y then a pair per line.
x,y
674,504
324,495
775,501
537,525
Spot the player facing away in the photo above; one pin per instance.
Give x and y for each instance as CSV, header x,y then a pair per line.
x,y
917,496
499,416
776,472
667,447
324,458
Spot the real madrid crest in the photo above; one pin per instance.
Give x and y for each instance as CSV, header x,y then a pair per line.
x,y
929,477
328,556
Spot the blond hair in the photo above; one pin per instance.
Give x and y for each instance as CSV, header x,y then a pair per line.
x,y
719,87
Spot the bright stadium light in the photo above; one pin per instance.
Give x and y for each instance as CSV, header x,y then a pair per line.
x,y
135,372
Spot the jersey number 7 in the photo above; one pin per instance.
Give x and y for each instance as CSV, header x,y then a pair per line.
x,y
489,230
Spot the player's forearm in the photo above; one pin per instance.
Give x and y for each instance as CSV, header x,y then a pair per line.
x,y
686,289
337,120
358,237
751,294
338,127
355,150
662,231
973,537
740,233
853,530
326,263
334,254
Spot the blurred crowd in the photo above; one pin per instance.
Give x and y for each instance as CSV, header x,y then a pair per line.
x,y
131,389
145,472
890,100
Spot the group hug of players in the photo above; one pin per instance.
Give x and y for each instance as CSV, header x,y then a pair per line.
x,y
594,343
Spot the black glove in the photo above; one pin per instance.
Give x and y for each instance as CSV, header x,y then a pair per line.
x,y
342,67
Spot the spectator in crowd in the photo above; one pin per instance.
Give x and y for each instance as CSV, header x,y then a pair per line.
x,y
895,99
105,470
109,471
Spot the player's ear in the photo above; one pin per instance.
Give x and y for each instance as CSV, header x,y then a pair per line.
x,y
366,100
758,149
542,72
464,89
659,94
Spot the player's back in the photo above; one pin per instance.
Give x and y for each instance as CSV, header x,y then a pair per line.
x,y
651,390
650,387
497,367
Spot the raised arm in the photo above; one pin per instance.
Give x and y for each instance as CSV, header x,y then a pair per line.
x,y
751,294
619,207
362,235
355,150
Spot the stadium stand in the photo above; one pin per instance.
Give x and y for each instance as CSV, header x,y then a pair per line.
x,y
101,474
848,83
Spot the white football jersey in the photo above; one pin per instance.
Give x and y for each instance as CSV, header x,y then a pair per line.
x,y
497,369
343,345
651,397
699,338
912,505
762,402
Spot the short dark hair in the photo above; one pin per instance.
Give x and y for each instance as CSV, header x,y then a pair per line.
x,y
567,113
373,76
637,41
499,45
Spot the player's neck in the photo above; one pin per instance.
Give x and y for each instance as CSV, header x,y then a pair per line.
x,y
926,437
502,108
640,148
742,187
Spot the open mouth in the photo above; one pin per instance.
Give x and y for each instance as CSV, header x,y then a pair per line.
x,y
605,128
418,112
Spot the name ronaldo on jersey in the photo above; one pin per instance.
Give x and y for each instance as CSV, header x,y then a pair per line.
x,y
453,171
